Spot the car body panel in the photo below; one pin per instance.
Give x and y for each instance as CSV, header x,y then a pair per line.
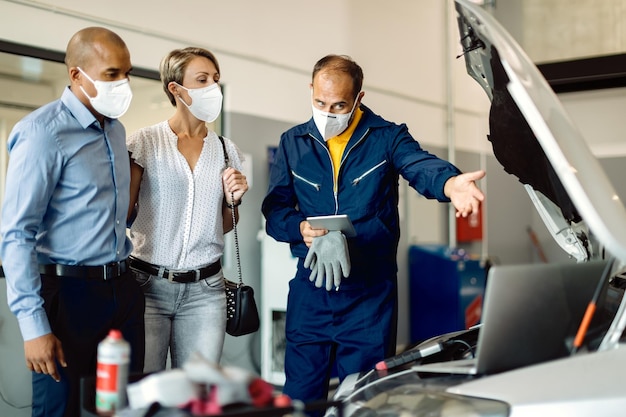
x,y
580,380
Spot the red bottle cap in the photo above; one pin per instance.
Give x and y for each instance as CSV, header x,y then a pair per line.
x,y
115,334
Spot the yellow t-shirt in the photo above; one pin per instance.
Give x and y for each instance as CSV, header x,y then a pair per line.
x,y
337,144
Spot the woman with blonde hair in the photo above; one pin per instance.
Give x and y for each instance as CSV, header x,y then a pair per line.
x,y
183,195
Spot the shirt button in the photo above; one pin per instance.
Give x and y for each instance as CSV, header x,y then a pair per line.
x,y
117,221
118,252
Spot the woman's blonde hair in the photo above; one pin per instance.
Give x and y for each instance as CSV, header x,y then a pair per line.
x,y
174,64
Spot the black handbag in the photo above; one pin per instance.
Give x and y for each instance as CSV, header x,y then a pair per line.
x,y
242,315
241,311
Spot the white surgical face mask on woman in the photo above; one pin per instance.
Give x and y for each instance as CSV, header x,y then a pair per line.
x,y
206,102
113,97
331,124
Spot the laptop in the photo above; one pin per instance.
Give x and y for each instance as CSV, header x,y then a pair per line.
x,y
530,315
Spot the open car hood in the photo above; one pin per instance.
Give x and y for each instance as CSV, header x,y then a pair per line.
x,y
535,140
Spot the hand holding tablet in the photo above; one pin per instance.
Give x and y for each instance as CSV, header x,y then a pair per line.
x,y
339,222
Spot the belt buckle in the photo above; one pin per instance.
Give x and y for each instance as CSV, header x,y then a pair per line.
x,y
111,270
173,274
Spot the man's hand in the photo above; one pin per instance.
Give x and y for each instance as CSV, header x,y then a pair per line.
x,y
42,355
308,233
464,194
328,259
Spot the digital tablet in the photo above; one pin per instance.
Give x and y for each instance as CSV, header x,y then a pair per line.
x,y
334,222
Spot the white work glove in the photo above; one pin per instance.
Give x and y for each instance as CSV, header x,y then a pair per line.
x,y
328,259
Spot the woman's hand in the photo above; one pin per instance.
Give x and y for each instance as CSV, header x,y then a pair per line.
x,y
235,184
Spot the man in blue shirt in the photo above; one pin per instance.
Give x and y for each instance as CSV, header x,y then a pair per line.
x,y
64,243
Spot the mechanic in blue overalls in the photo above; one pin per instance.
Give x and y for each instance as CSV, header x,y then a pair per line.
x,y
342,303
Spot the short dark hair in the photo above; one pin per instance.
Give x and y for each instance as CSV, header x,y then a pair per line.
x,y
341,63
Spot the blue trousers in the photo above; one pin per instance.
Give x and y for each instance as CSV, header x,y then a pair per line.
x,y
351,329
81,313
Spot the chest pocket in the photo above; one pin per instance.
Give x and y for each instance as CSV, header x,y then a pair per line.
x,y
372,171
308,188
373,187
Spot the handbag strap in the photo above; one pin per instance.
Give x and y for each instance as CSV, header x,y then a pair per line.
x,y
232,211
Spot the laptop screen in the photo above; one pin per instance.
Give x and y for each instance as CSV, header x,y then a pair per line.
x,y
531,312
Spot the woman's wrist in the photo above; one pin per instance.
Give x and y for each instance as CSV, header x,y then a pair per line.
x,y
235,204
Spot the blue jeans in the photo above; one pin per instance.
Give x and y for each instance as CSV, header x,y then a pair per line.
x,y
182,318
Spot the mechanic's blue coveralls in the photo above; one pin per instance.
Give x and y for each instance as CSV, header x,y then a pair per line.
x,y
354,327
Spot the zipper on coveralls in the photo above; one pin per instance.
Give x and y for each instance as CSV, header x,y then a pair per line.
x,y
369,171
301,178
332,168
344,157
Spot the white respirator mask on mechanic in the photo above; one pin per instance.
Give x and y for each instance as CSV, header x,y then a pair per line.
x,y
331,124
206,102
113,97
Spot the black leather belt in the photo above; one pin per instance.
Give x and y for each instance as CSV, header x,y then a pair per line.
x,y
103,272
192,275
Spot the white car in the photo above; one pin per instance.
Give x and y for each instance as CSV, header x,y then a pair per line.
x,y
550,338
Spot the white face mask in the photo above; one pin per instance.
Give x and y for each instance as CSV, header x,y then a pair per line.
x,y
113,97
206,102
331,124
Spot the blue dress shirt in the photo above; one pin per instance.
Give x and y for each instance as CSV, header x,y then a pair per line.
x,y
66,200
